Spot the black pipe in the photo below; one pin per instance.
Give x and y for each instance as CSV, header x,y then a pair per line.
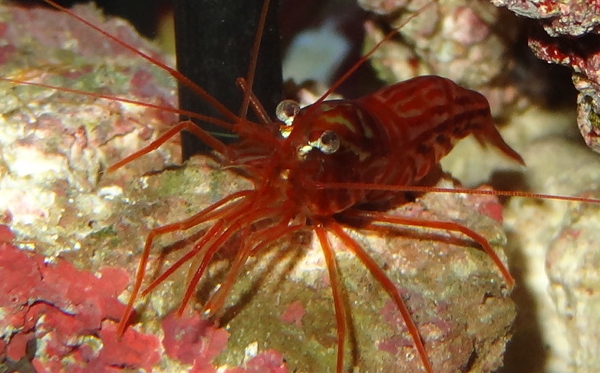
x,y
214,41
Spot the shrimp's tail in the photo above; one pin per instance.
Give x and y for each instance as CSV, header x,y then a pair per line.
x,y
487,133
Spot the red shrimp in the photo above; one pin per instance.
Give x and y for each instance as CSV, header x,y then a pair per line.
x,y
395,137
333,165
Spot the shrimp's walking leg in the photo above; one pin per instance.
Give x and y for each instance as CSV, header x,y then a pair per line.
x,y
267,236
232,221
442,225
389,287
209,213
338,296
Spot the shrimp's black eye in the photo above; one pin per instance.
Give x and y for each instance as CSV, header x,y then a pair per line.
x,y
286,111
327,143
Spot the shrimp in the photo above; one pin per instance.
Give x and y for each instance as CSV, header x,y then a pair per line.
x,y
396,136
329,168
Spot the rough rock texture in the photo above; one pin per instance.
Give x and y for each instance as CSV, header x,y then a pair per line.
x,y
57,202
55,145
571,17
553,251
570,37
468,41
572,264
583,56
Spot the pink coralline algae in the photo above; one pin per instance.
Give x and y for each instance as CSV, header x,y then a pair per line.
x,y
69,314
193,341
196,342
293,314
570,37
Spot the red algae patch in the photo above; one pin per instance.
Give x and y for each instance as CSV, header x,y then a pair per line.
x,y
69,314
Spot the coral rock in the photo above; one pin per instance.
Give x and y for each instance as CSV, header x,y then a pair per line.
x,y
570,37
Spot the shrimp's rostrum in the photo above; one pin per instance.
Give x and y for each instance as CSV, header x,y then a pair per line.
x,y
387,283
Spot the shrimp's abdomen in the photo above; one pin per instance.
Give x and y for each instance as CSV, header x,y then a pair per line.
x,y
428,114
420,121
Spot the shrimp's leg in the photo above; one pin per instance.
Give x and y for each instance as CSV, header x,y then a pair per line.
x,y
389,287
338,296
267,236
215,231
209,213
235,218
441,225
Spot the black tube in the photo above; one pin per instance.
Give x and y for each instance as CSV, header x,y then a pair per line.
x,y
214,41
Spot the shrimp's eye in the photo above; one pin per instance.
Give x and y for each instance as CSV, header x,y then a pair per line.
x,y
327,143
286,111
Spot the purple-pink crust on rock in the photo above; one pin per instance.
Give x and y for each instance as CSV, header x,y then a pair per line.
x,y
70,314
